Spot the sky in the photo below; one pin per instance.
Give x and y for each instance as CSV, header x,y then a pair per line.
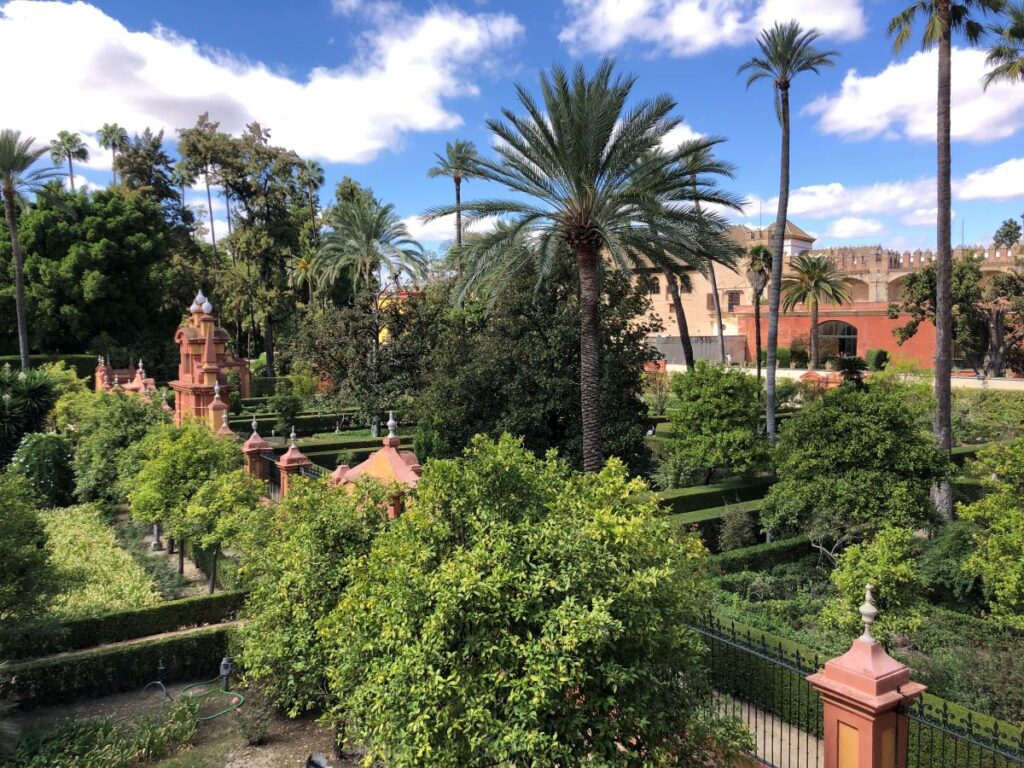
x,y
373,88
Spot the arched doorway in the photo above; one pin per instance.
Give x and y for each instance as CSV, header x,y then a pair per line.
x,y
836,338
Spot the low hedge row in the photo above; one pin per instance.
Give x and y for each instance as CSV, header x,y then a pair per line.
x,y
58,680
128,625
708,522
699,497
762,557
84,365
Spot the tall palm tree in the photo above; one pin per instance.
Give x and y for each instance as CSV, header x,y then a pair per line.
x,y
589,179
68,146
941,19
1006,55
673,279
759,268
366,236
113,137
311,178
787,50
458,163
815,280
18,179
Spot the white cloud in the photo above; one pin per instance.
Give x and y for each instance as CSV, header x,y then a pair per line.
x,y
690,27
345,7
678,135
404,73
900,101
852,226
81,183
819,201
442,230
1001,182
220,228
923,217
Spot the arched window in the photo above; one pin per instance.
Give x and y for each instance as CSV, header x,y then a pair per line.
x,y
836,338
653,286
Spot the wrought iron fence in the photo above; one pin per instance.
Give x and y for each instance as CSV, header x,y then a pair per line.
x,y
273,474
314,471
764,685
940,734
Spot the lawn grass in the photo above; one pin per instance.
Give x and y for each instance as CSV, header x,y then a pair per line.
x,y
95,574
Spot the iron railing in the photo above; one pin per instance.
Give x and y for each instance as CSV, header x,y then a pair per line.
x,y
273,474
764,685
940,734
313,471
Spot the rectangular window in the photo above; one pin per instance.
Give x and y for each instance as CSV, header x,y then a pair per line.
x,y
734,299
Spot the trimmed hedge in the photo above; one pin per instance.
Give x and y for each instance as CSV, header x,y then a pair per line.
x,y
708,522
264,386
762,557
58,680
876,359
227,567
129,625
84,365
699,497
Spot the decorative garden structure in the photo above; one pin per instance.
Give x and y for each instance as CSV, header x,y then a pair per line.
x,y
389,465
130,379
203,365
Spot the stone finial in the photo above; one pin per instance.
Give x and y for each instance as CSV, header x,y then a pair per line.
x,y
293,437
216,390
868,612
392,425
99,359
207,307
224,420
254,425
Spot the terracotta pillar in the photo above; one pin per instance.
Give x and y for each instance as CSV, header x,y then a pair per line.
x,y
252,448
290,463
860,693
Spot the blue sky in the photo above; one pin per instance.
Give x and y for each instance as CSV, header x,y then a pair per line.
x,y
372,89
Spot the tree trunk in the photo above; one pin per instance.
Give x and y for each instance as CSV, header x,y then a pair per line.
x,y
113,163
458,211
227,209
209,208
19,278
942,493
312,219
268,343
815,362
757,331
590,358
181,557
684,330
213,570
718,311
71,172
775,286
170,545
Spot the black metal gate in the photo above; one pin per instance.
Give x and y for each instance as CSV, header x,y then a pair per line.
x,y
273,474
941,736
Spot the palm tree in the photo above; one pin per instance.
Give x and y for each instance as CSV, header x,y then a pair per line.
x,y
786,51
589,180
851,368
311,178
941,19
68,146
459,163
759,267
113,137
673,279
1006,56
365,236
17,179
815,280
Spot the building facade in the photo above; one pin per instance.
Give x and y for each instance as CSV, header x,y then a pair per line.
x,y
874,276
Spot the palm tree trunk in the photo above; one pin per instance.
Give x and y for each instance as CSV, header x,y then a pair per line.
x,y
775,286
268,343
684,329
590,359
718,311
312,219
757,332
942,494
19,278
227,209
113,162
458,211
209,208
71,172
814,335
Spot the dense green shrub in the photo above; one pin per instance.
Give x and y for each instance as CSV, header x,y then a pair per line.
x,y
88,674
104,425
762,556
987,414
738,530
876,359
714,426
90,631
850,463
44,460
941,563
106,743
288,406
557,582
84,365
95,574
25,400
25,575
783,357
